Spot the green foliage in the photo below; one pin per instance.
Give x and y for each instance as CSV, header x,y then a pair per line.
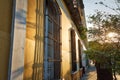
x,y
103,49
103,23
99,52
82,30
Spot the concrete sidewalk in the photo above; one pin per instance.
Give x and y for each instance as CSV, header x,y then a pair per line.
x,y
90,73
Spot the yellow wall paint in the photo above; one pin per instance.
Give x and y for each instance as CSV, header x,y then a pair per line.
x,y
30,42
5,30
66,57
29,56
67,24
66,45
30,38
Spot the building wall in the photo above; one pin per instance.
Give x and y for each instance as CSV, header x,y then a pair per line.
x,y
67,24
17,49
26,40
30,39
5,31
33,60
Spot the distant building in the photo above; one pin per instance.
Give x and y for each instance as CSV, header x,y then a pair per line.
x,y
39,39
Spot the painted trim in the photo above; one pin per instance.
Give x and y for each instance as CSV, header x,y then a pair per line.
x,y
45,46
12,39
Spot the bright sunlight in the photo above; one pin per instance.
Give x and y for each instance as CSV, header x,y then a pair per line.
x,y
112,35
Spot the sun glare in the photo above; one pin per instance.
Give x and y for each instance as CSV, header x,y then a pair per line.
x,y
112,34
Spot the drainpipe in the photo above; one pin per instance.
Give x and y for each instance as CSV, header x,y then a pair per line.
x,y
11,39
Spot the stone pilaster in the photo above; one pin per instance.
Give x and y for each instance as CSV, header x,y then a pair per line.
x,y
19,34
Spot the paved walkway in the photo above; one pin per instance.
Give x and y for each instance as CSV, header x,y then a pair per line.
x,y
90,73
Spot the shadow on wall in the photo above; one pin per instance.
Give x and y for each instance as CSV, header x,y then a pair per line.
x,y
21,16
20,71
17,73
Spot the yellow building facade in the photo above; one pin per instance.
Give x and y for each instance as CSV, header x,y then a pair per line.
x,y
40,40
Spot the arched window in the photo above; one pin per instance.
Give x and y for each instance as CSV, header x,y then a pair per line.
x,y
52,56
73,51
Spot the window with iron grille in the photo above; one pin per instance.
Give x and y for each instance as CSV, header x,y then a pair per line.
x,y
73,51
79,54
52,40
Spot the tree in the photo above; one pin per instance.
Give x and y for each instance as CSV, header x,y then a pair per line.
x,y
104,50
116,10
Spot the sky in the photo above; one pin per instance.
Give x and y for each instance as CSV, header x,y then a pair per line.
x,y
90,7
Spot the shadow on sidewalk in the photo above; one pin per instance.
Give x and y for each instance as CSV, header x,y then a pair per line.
x,y
90,73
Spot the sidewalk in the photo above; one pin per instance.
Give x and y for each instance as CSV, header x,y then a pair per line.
x,y
90,73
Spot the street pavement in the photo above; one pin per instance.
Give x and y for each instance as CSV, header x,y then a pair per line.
x,y
92,75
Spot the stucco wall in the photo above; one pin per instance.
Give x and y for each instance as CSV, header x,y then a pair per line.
x,y
34,41
23,59
30,39
17,61
66,55
5,30
67,25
